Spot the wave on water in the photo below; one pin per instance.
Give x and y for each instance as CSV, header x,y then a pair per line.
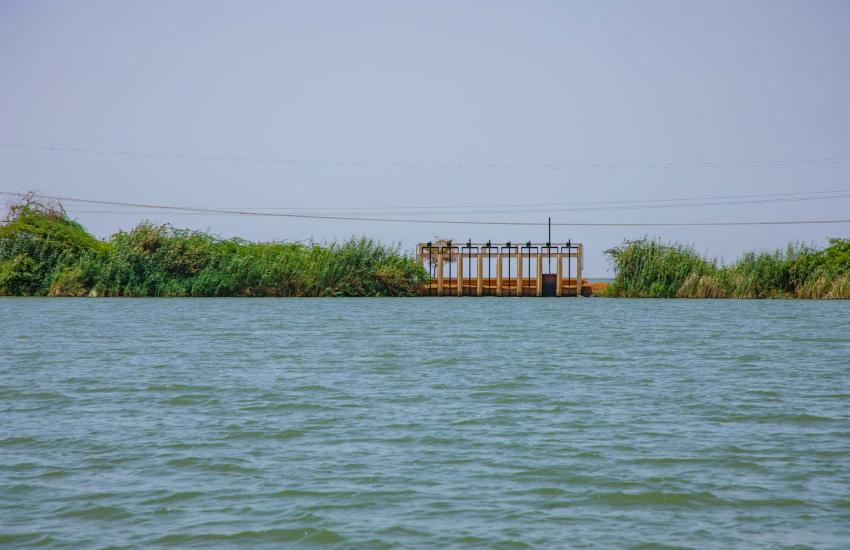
x,y
657,498
306,535
417,423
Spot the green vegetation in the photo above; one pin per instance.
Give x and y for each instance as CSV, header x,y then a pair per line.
x,y
649,268
43,252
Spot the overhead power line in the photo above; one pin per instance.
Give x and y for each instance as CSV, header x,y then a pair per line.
x,y
549,205
717,200
420,164
431,212
184,209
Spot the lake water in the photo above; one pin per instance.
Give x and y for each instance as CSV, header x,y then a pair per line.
x,y
424,422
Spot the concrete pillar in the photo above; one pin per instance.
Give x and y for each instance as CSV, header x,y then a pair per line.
x,y
459,273
419,261
440,274
498,274
539,273
479,286
579,268
559,270
518,274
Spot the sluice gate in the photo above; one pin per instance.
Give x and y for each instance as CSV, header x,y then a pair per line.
x,y
503,269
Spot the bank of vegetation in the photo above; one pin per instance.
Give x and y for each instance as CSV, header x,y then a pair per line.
x,y
44,252
648,268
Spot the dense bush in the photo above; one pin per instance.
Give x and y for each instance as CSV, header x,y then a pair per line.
x,y
43,252
651,268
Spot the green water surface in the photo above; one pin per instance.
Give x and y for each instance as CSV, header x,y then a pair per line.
x,y
424,423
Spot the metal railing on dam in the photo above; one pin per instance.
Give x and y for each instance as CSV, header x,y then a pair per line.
x,y
503,269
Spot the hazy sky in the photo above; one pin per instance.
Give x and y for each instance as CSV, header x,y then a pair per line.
x,y
455,82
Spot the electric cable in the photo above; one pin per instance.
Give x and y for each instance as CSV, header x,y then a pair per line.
x,y
428,221
420,164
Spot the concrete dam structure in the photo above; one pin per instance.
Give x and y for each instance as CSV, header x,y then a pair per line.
x,y
503,269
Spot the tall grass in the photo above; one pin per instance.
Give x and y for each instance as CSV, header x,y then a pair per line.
x,y
43,252
651,268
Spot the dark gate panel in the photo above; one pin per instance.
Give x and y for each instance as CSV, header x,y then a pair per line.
x,y
550,280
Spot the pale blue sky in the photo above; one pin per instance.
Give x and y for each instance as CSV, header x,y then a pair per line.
x,y
466,82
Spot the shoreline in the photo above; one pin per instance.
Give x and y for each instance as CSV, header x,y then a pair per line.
x,y
45,253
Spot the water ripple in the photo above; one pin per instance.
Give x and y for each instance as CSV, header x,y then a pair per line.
x,y
424,423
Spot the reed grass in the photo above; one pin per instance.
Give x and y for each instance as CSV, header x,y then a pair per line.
x,y
43,252
652,268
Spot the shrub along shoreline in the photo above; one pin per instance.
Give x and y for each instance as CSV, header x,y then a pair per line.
x,y
649,268
45,253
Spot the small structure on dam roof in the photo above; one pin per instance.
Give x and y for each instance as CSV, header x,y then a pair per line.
x,y
503,269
